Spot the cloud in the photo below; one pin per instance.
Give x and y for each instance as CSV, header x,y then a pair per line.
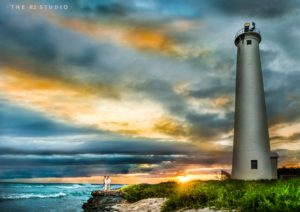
x,y
97,154
285,136
257,8
103,143
112,9
153,10
143,36
282,96
17,121
216,89
209,126
171,127
74,103
137,87
162,91
288,157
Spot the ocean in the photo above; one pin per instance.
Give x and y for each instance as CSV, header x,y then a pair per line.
x,y
31,197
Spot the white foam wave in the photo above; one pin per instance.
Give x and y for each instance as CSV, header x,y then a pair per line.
x,y
28,196
70,186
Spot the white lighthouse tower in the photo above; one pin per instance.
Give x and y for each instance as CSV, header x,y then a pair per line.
x,y
251,148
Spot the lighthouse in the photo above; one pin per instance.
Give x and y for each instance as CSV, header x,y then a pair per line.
x,y
252,159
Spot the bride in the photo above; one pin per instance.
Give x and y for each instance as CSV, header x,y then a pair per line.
x,y
106,183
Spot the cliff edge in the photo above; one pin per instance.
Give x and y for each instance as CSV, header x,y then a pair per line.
x,y
103,201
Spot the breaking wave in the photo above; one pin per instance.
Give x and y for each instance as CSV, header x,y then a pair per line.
x,y
69,186
28,196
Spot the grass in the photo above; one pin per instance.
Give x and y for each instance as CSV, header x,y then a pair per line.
x,y
134,193
282,195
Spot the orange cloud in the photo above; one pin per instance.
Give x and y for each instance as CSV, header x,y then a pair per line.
x,y
149,39
83,105
143,38
171,127
132,178
221,102
139,38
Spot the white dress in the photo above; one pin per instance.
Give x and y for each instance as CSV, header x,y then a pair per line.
x,y
106,184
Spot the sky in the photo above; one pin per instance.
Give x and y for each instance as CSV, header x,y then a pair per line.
x,y
142,90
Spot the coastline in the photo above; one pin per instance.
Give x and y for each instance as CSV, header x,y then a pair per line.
x,y
108,201
58,197
227,195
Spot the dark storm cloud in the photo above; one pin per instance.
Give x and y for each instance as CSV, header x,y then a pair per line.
x,y
110,159
196,8
87,58
162,91
216,90
34,160
113,9
88,165
267,56
210,126
89,159
62,171
83,157
84,145
21,158
276,35
36,46
140,8
257,8
282,96
40,47
17,121
29,40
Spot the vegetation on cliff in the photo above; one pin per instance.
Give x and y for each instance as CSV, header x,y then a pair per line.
x,y
135,193
282,195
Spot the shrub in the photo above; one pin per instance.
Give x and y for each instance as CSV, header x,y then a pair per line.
x,y
134,193
281,195
239,195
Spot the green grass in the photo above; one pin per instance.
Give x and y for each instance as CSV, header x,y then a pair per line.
x,y
134,193
282,195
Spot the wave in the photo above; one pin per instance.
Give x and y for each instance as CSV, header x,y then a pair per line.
x,y
24,186
29,196
69,186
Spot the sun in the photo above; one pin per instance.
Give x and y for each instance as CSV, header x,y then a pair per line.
x,y
183,179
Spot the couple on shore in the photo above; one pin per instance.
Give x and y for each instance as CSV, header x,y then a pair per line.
x,y
106,183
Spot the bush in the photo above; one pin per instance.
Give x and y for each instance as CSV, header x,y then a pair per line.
x,y
134,193
282,195
238,195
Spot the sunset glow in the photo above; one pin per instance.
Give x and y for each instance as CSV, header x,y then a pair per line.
x,y
141,91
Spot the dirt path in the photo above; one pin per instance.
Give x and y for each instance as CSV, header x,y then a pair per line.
x,y
144,205
149,205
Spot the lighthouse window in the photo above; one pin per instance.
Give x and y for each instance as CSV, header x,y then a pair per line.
x,y
253,164
249,42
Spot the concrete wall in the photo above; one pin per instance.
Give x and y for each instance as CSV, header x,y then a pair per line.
x,y
274,161
251,137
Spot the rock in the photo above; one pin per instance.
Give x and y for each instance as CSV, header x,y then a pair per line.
x,y
114,201
103,201
200,210
144,205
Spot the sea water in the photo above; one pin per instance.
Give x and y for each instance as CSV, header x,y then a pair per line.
x,y
46,197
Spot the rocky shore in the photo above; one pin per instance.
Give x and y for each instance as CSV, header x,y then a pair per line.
x,y
103,201
114,201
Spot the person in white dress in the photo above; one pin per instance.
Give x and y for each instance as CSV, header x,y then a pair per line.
x,y
106,183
